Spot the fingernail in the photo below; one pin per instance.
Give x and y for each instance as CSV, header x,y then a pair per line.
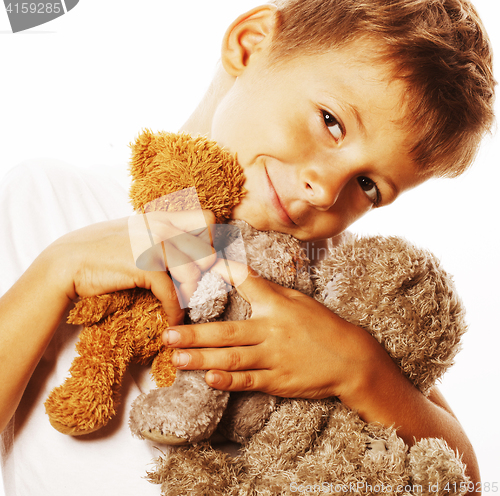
x,y
213,378
172,337
180,359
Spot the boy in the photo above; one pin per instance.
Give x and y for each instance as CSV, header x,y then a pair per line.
x,y
326,127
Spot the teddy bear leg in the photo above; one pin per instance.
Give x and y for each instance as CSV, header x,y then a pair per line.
x,y
197,470
270,457
87,400
246,414
186,412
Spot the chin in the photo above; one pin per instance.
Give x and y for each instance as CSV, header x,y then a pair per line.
x,y
255,223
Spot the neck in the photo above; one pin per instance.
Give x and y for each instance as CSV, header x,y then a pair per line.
x,y
200,121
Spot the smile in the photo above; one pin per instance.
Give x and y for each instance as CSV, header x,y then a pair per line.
x,y
276,203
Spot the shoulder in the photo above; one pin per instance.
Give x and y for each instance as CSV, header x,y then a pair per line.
x,y
41,184
56,192
42,200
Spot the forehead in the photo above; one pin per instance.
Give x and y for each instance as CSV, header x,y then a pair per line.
x,y
357,78
357,69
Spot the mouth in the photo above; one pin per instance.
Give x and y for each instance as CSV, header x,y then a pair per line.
x,y
278,206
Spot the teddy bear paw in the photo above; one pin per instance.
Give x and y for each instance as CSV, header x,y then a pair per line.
x,y
186,412
159,437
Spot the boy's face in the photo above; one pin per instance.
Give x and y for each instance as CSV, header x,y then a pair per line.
x,y
319,141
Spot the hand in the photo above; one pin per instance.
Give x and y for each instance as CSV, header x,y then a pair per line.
x,y
99,259
292,346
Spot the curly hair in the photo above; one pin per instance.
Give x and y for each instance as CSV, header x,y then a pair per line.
x,y
439,48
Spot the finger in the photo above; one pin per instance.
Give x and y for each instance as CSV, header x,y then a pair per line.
x,y
182,221
164,289
215,334
147,231
230,359
183,270
186,276
194,247
186,257
166,242
179,226
248,380
187,220
185,291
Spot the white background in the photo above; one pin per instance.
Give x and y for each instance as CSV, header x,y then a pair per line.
x,y
80,88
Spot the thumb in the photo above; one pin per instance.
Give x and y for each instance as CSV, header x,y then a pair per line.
x,y
164,289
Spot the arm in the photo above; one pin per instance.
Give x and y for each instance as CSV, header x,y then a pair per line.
x,y
295,347
90,261
36,303
384,395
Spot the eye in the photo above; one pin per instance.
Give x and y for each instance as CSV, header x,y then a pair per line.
x,y
371,190
333,125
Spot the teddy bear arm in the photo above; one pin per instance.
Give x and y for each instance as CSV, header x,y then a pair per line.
x,y
246,414
436,468
209,300
402,296
162,370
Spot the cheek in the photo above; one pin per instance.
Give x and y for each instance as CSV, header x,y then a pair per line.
x,y
221,129
232,122
252,207
352,203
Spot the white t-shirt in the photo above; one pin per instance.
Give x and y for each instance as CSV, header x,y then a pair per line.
x,y
40,202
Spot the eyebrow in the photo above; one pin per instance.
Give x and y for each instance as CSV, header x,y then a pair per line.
x,y
392,186
352,109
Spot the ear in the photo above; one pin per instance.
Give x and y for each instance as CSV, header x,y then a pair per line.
x,y
246,36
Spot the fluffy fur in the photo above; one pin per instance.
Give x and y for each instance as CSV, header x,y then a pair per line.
x,y
403,297
398,293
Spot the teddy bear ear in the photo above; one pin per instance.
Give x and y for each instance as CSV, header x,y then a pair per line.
x,y
145,149
401,295
164,163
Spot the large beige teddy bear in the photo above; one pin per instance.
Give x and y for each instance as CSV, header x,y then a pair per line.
x,y
401,295
397,292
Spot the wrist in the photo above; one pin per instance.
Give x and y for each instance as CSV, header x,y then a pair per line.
x,y
372,379
52,269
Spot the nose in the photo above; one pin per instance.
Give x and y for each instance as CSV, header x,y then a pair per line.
x,y
322,188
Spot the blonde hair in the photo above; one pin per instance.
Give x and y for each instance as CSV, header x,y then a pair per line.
x,y
438,47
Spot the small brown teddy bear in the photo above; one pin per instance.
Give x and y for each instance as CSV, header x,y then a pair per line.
x,y
401,295
125,327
